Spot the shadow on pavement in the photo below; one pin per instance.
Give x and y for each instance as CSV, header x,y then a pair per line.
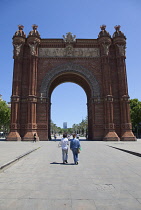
x,y
128,151
70,139
55,163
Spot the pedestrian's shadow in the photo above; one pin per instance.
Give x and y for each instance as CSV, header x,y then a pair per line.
x,y
66,164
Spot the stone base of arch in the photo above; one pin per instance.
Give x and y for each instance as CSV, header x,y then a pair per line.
x,y
111,136
128,136
29,136
13,136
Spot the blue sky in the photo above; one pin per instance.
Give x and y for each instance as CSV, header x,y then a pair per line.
x,y
83,18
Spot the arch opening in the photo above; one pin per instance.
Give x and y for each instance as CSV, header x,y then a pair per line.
x,y
68,110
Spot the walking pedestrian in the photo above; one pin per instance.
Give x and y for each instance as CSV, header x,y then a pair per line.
x,y
64,144
75,147
34,138
55,136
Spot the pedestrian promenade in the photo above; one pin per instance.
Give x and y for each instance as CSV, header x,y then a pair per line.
x,y
108,176
11,151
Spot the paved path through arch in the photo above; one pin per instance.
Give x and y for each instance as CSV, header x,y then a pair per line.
x,y
106,178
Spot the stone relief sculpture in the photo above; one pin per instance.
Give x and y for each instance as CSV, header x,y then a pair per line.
x,y
69,51
106,48
33,48
121,49
17,49
69,37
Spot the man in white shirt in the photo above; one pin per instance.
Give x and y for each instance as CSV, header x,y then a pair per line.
x,y
64,144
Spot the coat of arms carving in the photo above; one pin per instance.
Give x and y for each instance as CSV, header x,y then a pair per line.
x,y
69,37
69,51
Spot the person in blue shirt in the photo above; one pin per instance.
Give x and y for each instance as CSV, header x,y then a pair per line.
x,y
75,146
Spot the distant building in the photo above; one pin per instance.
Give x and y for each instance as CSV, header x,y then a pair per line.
x,y
65,125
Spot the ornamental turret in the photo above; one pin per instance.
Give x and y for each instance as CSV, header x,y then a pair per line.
x,y
33,40
18,41
118,33
20,32
103,32
104,39
119,39
34,32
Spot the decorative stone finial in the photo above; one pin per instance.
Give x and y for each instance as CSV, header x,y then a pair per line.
x,y
20,32
118,33
103,32
34,32
69,37
20,27
103,27
117,27
34,26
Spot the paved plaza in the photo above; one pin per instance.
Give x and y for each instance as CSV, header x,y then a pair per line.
x,y
108,176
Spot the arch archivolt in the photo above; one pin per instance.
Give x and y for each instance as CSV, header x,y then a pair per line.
x,y
70,69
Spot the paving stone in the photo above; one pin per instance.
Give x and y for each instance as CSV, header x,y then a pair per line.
x,y
80,204
106,178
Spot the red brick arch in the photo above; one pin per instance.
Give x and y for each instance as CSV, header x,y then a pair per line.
x,y
97,65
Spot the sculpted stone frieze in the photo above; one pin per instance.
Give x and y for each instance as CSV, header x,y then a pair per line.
x,y
69,51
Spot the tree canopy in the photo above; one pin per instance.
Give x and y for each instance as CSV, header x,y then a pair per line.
x,y
135,112
4,116
80,128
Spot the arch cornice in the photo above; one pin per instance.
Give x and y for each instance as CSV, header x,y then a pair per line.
x,y
70,68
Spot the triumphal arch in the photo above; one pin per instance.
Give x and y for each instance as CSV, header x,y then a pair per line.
x,y
97,65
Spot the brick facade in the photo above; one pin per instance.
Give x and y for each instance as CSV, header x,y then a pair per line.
x,y
97,65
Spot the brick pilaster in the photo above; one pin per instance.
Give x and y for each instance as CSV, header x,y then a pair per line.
x,y
33,43
18,44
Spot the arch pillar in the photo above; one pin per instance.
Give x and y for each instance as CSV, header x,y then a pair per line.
x,y
33,42
18,44
110,134
43,118
90,108
126,126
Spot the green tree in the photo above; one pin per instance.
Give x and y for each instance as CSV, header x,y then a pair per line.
x,y
81,128
135,112
54,128
4,117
